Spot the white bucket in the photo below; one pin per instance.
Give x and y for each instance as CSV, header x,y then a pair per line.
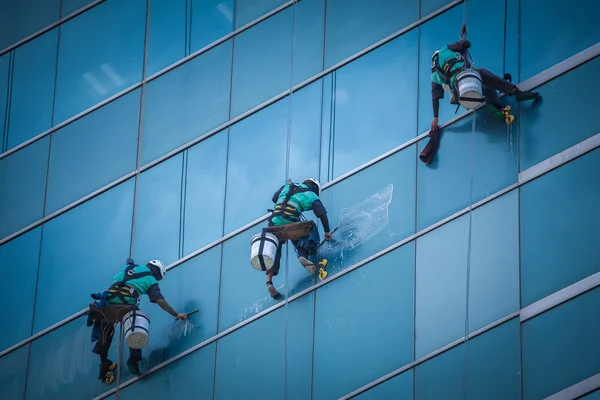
x,y
270,245
470,92
136,326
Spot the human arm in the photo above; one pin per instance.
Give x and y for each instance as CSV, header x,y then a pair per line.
x,y
156,297
321,213
437,93
276,195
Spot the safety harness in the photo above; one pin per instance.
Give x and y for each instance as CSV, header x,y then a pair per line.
x,y
288,209
446,69
121,290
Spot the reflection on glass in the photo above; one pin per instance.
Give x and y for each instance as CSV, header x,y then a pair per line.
x,y
309,30
211,20
249,10
17,20
168,34
13,373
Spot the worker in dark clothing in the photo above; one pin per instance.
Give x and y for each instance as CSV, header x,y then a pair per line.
x,y
449,61
300,197
128,286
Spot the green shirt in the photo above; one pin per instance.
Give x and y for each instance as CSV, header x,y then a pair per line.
x,y
300,201
144,285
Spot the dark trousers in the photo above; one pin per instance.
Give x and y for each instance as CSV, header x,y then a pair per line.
x,y
492,84
302,252
103,343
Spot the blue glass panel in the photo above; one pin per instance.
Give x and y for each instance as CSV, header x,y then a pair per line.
x,y
22,185
558,202
190,377
187,102
578,30
400,387
205,192
546,131
82,251
211,20
19,259
166,43
262,62
309,31
442,377
494,280
158,218
372,346
248,10
5,62
19,20
494,364
13,373
441,286
32,88
592,396
353,25
94,61
93,151
374,106
299,331
70,6
62,365
250,361
560,347
429,6
256,164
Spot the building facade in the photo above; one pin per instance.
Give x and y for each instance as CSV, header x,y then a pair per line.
x,y
161,128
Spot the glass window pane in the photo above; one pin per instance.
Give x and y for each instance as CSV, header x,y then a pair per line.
x,y
309,30
251,362
544,126
205,192
211,20
248,10
557,203
441,286
22,186
94,61
560,347
189,377
578,30
167,36
13,373
494,363
299,331
158,217
353,25
80,252
5,62
442,377
187,102
32,92
494,280
19,259
592,396
374,104
399,387
93,151
70,6
372,346
256,164
429,6
18,20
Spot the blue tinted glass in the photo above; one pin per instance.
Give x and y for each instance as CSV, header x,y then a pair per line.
x,y
158,219
70,6
211,20
82,251
544,126
5,62
250,361
62,365
190,377
442,377
353,25
444,184
19,259
94,61
399,387
592,396
32,88
374,104
579,30
494,363
257,153
551,259
494,280
93,151
191,286
309,30
13,373
22,185
429,6
441,286
187,102
560,347
20,19
299,331
205,192
261,62
248,10
372,346
166,43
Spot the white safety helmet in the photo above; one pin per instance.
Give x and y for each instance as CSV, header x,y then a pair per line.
x,y
434,60
314,181
160,265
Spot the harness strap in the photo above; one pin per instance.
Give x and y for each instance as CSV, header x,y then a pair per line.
x,y
286,210
261,247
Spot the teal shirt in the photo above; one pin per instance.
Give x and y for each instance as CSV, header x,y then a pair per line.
x,y
141,285
444,55
300,201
